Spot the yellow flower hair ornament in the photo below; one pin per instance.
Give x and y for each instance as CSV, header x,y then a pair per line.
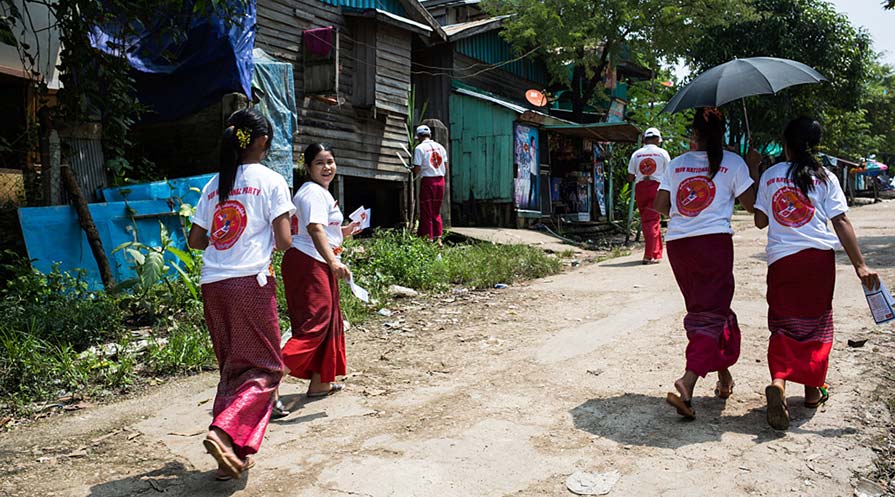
x,y
243,138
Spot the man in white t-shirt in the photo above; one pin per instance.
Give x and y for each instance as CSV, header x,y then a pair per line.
x,y
430,161
646,168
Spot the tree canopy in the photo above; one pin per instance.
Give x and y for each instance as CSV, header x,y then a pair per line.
x,y
591,35
811,32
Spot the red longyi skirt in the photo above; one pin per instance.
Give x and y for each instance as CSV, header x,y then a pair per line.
x,y
800,316
318,337
703,268
245,333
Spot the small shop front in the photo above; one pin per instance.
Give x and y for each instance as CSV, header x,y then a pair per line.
x,y
513,166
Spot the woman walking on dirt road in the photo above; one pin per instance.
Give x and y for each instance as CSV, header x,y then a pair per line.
x,y
242,215
312,270
704,184
796,199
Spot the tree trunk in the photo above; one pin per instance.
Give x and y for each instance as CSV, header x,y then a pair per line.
x,y
86,222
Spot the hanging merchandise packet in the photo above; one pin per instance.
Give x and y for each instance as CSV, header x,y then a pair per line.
x,y
881,304
361,216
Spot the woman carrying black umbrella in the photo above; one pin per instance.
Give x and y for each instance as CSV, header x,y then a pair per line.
x,y
796,200
704,184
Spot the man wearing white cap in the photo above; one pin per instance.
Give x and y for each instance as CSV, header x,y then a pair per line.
x,y
430,161
647,166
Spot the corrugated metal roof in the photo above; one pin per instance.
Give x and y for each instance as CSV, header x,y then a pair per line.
x,y
454,30
534,116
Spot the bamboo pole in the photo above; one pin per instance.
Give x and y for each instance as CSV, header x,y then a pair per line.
x,y
89,227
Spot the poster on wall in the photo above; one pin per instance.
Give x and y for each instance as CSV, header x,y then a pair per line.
x,y
599,181
526,156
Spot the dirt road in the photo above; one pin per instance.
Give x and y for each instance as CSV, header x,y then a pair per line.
x,y
508,392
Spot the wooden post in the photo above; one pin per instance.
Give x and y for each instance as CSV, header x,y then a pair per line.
x,y
86,222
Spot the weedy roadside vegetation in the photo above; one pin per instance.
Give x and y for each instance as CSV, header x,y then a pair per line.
x,y
62,340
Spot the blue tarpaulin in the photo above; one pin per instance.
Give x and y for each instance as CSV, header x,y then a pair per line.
x,y
176,77
132,212
275,79
178,190
53,235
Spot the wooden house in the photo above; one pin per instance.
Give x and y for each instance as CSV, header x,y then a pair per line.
x,y
352,96
505,152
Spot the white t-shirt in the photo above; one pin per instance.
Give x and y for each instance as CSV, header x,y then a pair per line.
x,y
315,205
650,160
431,157
796,223
700,206
240,234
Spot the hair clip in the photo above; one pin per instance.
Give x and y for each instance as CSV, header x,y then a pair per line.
x,y
243,138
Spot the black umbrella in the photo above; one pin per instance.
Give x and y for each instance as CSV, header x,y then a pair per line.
x,y
742,78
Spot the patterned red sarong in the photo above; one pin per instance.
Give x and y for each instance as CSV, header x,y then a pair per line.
x,y
703,268
245,333
800,316
318,338
431,196
645,196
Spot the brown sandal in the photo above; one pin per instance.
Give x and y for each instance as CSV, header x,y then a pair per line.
x,y
723,394
778,413
222,474
226,465
684,407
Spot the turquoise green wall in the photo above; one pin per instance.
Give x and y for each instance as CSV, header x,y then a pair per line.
x,y
481,150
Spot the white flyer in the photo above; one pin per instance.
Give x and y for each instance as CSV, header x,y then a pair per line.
x,y
361,216
357,291
881,304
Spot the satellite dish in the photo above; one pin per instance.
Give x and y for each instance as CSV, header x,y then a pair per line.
x,y
536,98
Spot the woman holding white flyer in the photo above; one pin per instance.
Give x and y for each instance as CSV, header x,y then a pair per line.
x,y
796,200
311,272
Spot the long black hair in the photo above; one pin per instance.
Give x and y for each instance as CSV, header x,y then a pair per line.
x,y
708,122
243,127
311,152
802,136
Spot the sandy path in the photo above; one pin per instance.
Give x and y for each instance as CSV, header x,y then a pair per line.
x,y
507,393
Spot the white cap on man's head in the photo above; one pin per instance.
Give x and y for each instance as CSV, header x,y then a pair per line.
x,y
652,133
423,130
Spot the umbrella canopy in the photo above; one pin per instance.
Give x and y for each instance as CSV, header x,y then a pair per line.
x,y
741,78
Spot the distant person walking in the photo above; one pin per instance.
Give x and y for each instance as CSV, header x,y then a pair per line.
x,y
646,168
698,194
431,162
797,200
242,215
312,269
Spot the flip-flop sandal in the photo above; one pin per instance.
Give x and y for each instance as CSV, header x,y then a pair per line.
x,y
279,410
225,464
221,475
778,414
333,388
684,407
723,394
824,396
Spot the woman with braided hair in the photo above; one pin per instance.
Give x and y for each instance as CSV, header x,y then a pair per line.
x,y
704,184
796,201
242,216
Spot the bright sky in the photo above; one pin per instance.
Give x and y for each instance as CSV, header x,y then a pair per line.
x,y
862,13
879,22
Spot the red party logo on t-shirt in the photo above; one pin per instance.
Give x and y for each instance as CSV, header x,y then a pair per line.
x,y
229,222
435,159
647,166
791,207
694,195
